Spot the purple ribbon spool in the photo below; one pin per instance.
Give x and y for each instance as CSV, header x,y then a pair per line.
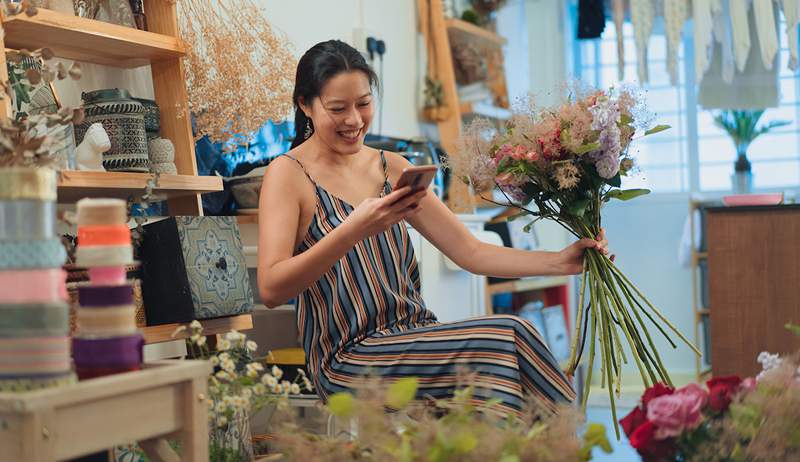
x,y
100,296
108,352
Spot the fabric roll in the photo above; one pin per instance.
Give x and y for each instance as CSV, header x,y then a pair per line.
x,y
676,12
106,322
32,356
33,286
108,352
27,219
104,255
108,275
24,384
34,320
93,212
740,25
23,183
791,12
105,296
98,235
723,39
766,28
618,13
703,35
47,253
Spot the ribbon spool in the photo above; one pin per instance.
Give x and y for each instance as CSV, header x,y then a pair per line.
x,y
27,219
20,183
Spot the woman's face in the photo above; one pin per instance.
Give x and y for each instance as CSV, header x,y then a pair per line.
x,y
342,113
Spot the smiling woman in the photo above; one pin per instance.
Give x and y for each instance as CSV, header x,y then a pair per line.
x,y
333,235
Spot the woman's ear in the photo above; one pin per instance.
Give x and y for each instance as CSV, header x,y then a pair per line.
x,y
306,108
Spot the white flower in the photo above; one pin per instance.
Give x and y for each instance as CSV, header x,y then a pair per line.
x,y
222,375
247,394
224,356
294,389
251,345
269,381
253,369
228,365
178,330
220,407
214,361
195,324
234,337
201,340
285,386
277,372
222,421
307,384
224,345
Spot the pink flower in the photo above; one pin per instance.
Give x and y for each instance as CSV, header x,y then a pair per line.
x,y
506,178
504,151
682,410
749,384
519,153
532,156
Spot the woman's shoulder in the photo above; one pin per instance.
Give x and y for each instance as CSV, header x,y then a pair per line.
x,y
395,163
286,174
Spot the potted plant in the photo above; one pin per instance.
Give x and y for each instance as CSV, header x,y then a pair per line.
x,y
743,128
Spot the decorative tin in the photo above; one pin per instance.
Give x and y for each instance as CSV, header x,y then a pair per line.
x,y
123,119
193,268
152,117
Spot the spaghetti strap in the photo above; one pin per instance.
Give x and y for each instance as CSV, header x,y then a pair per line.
x,y
385,167
302,167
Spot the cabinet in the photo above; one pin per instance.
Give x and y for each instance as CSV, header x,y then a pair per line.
x,y
753,267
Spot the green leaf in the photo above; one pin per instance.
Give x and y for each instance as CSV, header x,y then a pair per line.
x,y
516,215
464,442
625,119
656,129
401,393
588,147
626,194
578,208
509,458
615,181
341,404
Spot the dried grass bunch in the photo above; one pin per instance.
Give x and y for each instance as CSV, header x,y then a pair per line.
x,y
239,71
26,140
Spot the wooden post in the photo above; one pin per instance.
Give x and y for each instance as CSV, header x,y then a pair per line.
x,y
169,86
194,435
5,103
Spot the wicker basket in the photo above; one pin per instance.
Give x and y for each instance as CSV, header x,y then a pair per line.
x,y
80,277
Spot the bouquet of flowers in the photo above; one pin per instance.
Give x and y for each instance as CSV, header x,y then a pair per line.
x,y
730,420
569,161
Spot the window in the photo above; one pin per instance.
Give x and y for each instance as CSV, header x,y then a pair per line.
x,y
695,155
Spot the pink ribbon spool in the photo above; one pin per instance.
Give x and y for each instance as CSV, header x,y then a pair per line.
x,y
107,275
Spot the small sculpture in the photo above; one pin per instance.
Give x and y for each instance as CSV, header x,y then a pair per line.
x,y
162,156
89,154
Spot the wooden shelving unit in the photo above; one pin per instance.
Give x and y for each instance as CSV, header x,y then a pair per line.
x,y
701,313
484,110
163,332
74,185
81,39
463,30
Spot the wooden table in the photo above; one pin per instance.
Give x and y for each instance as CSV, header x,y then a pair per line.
x,y
754,272
164,400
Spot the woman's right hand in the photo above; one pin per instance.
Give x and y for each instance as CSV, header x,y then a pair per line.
x,y
375,215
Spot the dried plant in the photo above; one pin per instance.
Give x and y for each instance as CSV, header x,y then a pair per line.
x,y
25,140
240,72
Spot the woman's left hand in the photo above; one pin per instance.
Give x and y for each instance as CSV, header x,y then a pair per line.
x,y
571,258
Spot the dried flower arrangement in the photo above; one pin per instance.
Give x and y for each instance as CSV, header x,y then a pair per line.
x,y
24,141
239,71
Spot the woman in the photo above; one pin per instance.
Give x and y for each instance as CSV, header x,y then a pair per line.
x,y
352,268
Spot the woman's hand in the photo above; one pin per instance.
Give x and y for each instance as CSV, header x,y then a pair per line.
x,y
375,215
571,258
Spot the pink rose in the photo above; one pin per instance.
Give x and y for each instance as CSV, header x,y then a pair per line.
x,y
519,153
682,410
749,384
532,156
504,151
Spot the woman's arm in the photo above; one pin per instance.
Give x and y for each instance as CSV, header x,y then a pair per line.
x,y
443,229
283,275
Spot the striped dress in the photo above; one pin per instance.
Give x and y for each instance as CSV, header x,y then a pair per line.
x,y
365,317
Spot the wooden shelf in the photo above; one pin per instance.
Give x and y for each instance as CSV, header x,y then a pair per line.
x,y
247,219
524,285
74,185
82,39
163,332
485,110
462,31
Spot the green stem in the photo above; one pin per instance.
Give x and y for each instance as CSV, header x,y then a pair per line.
x,y
607,356
573,356
655,310
588,383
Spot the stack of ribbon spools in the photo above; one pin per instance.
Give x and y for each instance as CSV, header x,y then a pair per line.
x,y
34,315
106,340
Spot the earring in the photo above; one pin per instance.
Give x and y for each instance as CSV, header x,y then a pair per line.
x,y
309,130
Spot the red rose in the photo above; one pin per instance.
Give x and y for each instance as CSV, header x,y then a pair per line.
x,y
633,420
655,391
644,441
721,391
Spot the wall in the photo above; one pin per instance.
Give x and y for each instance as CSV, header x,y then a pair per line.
x,y
306,22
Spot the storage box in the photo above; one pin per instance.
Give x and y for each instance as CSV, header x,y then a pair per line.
x,y
193,268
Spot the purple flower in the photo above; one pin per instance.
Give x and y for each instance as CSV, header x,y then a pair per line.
x,y
605,116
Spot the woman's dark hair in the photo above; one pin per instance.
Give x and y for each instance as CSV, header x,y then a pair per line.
x,y
319,64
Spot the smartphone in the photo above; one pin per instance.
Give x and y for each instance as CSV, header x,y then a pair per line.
x,y
418,178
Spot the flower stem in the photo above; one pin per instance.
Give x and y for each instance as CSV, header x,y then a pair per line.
x,y
574,359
